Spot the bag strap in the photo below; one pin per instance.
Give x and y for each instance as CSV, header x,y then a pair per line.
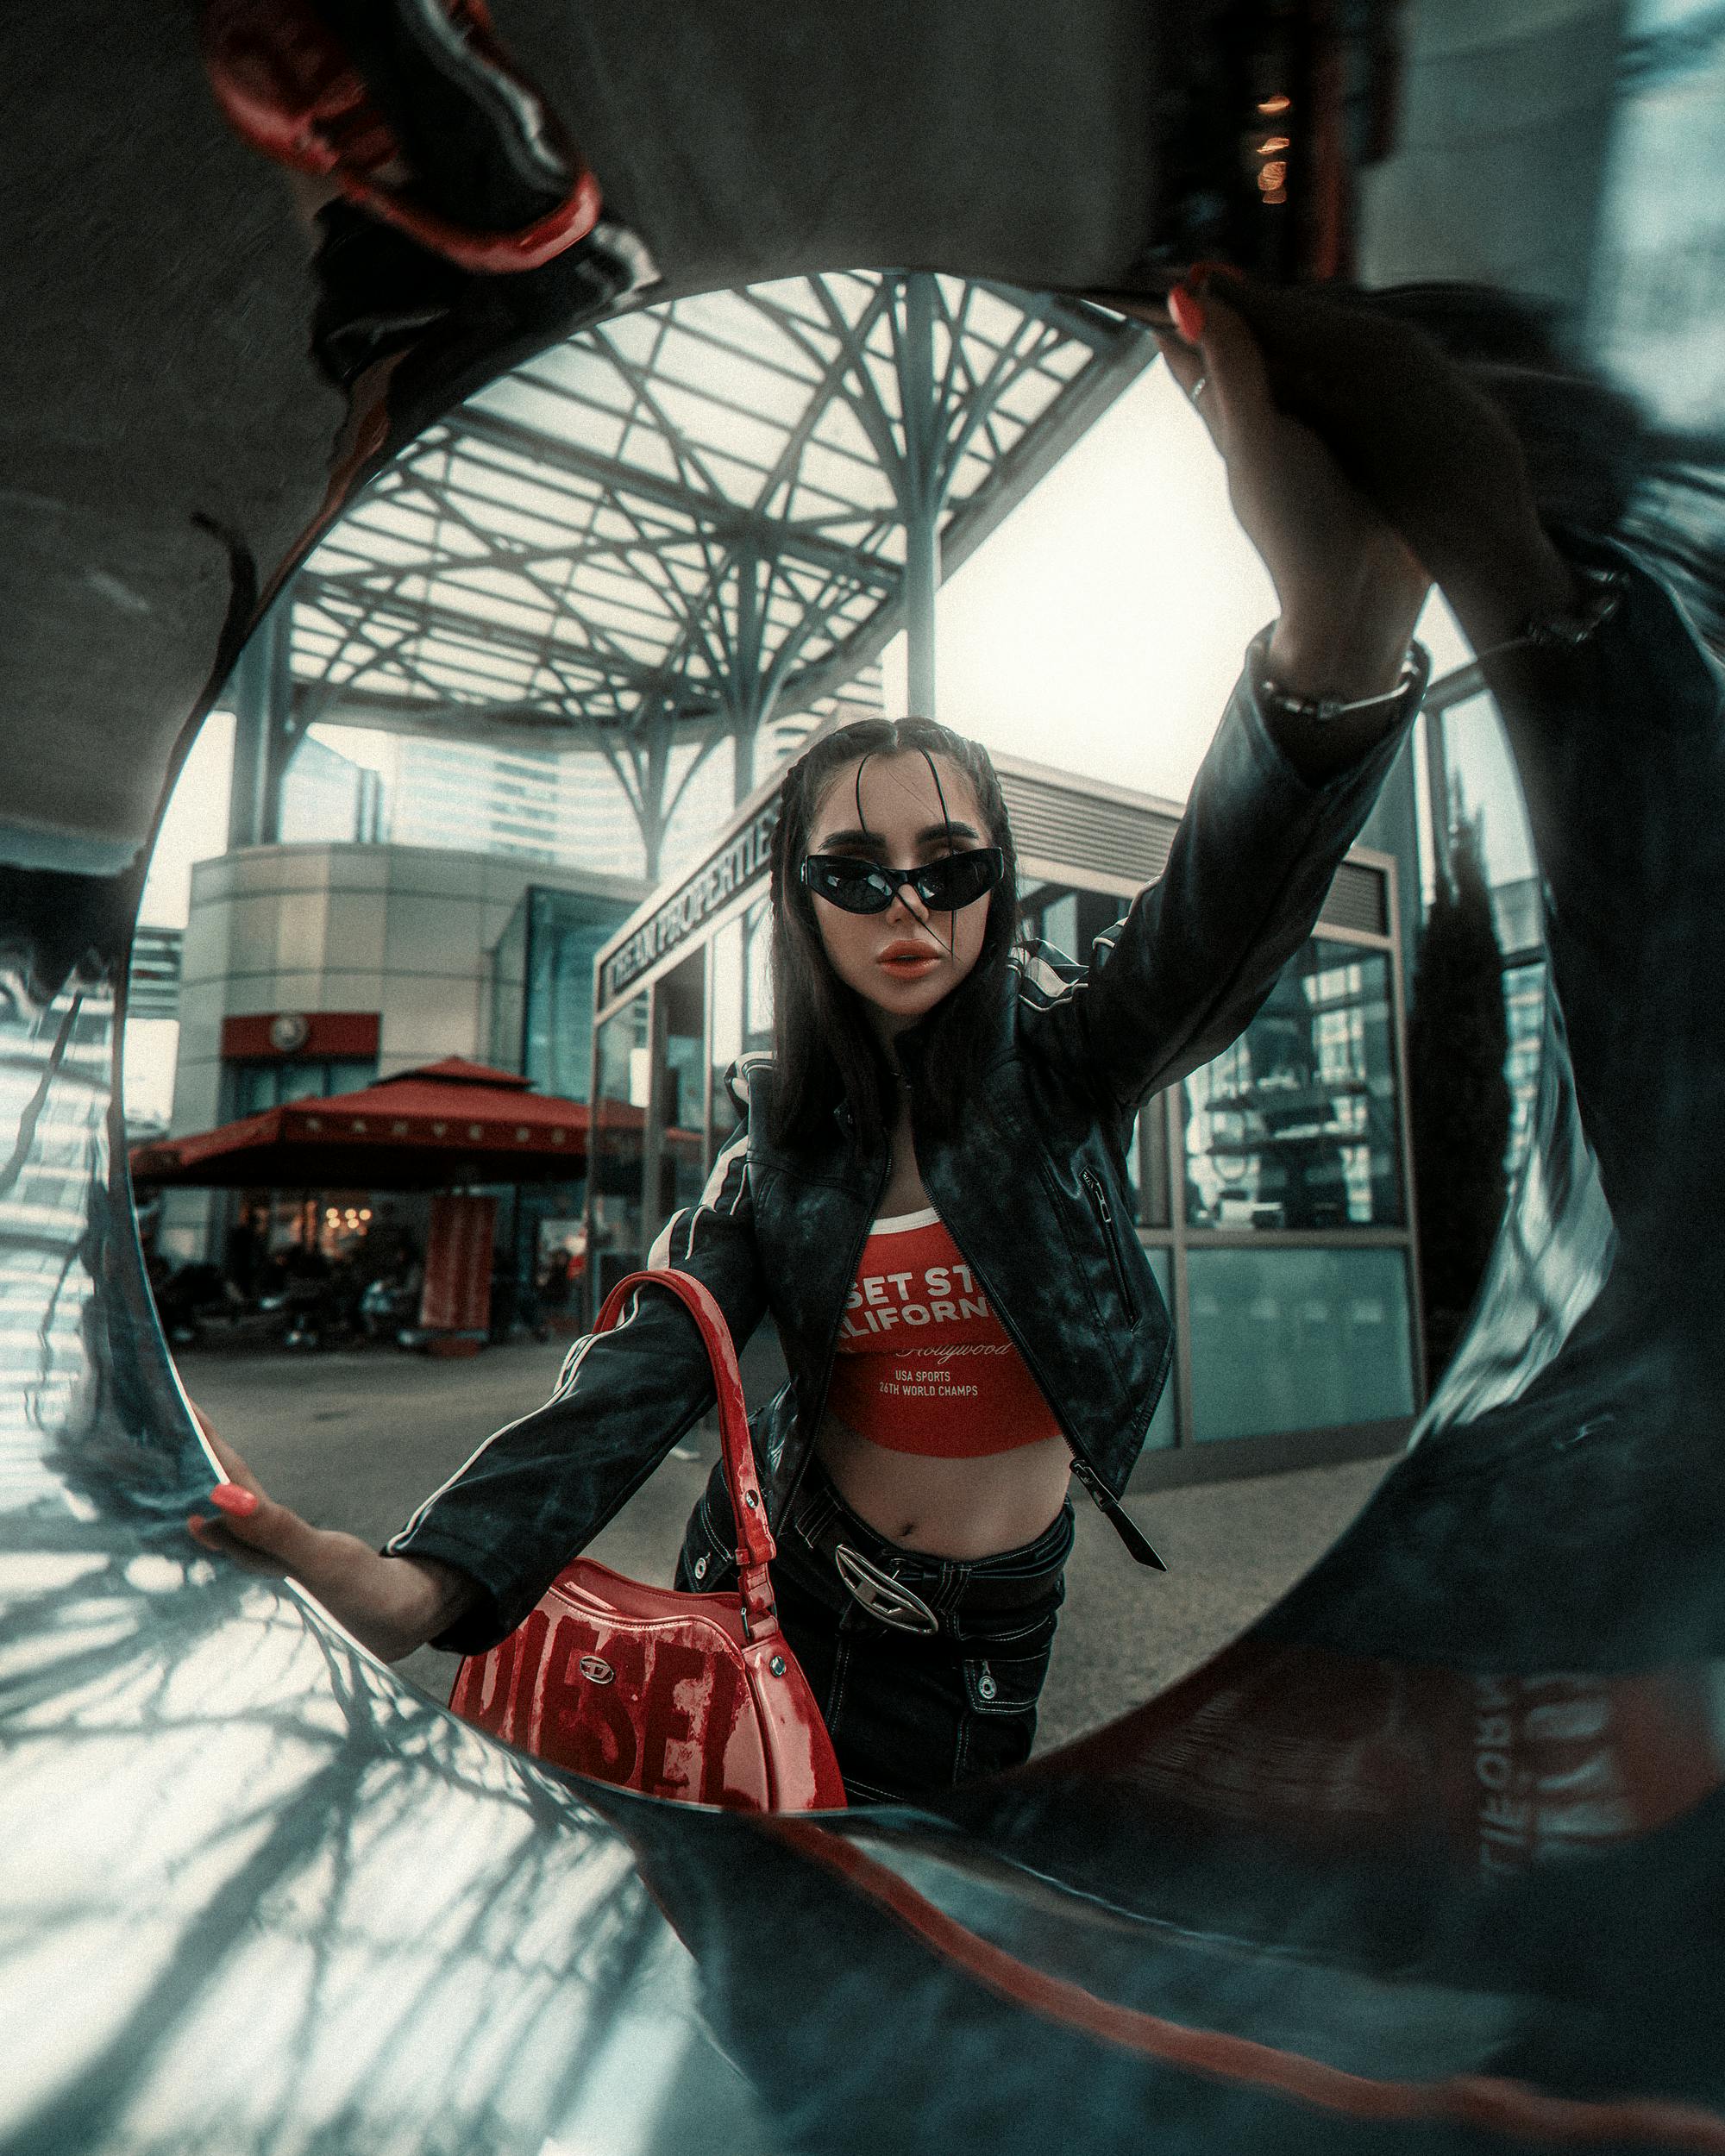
x,y
755,1548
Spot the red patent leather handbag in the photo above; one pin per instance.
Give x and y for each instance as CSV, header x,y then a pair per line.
x,y
696,1697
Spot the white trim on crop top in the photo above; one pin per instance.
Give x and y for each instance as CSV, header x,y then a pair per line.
x,y
902,1222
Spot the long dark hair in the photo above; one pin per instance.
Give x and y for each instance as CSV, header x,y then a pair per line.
x,y
825,1052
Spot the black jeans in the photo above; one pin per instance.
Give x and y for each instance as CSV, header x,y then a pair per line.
x,y
910,1713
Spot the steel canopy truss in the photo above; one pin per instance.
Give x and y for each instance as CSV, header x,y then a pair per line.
x,y
697,520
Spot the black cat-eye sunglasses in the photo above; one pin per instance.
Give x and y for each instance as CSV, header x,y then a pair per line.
x,y
865,886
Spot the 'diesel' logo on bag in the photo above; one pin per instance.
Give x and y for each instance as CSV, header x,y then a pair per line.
x,y
597,1671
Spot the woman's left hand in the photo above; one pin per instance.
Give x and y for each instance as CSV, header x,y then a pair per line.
x,y
1349,588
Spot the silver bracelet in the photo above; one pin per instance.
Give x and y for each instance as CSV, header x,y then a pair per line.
x,y
1325,710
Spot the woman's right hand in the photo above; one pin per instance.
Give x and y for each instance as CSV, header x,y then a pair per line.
x,y
1349,588
391,1605
1431,450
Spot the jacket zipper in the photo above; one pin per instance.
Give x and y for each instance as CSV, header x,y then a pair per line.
x,y
833,1345
1086,1473
1099,1198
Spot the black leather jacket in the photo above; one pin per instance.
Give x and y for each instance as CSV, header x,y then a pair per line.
x,y
1032,1190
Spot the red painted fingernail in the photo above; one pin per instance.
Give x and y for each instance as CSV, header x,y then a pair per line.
x,y
1187,313
228,1497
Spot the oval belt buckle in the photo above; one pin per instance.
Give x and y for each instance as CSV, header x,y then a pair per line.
x,y
886,1599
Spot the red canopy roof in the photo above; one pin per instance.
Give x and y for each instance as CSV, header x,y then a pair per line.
x,y
451,1122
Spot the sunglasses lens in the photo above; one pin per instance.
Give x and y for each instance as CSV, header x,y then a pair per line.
x,y
853,885
960,880
858,886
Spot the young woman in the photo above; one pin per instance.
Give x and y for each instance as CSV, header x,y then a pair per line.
x,y
928,1189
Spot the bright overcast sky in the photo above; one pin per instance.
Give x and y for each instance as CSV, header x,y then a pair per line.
x,y
1101,627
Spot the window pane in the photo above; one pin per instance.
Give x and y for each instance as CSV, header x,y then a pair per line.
x,y
567,932
1161,1422
254,1088
727,1024
757,1013
1295,1125
1297,1340
681,1080
619,1131
1058,923
1147,1164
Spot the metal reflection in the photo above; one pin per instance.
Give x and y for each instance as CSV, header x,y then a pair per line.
x,y
1432,1856
257,1894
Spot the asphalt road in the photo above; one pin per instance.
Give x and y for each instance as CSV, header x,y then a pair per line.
x,y
356,1439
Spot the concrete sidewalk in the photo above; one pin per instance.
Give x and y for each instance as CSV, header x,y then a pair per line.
x,y
356,1439
1231,1549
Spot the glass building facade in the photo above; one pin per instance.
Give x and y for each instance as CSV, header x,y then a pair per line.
x,y
1272,1186
563,807
541,1024
542,986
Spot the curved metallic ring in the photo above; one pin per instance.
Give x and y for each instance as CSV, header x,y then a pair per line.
x,y
1199,387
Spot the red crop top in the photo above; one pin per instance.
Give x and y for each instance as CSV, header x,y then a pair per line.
x,y
924,1365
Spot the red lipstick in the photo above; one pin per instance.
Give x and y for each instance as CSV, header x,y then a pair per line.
x,y
907,960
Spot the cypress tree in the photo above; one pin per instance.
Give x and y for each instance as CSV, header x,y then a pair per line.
x,y
1457,1039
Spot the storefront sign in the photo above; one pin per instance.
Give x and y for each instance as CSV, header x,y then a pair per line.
x,y
309,1034
742,860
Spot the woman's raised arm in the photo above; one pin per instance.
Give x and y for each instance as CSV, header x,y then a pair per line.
x,y
1349,589
1286,787
1421,443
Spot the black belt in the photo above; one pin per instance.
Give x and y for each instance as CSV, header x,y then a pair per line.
x,y
893,1585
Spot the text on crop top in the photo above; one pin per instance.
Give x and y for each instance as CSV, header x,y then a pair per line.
x,y
924,1365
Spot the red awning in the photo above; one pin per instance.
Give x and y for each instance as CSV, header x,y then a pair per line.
x,y
453,1122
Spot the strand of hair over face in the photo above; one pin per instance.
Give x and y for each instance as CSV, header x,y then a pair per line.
x,y
951,946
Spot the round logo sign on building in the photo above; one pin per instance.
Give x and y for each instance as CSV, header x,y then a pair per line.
x,y
288,1032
